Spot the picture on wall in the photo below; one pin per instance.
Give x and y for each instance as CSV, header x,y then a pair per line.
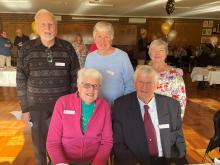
x,y
205,23
203,32
207,31
210,23
204,39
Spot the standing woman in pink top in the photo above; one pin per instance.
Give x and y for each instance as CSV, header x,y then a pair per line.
x,y
81,130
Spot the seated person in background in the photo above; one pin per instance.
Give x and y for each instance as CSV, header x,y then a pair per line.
x,y
213,44
81,49
213,50
147,127
180,54
80,130
208,54
217,58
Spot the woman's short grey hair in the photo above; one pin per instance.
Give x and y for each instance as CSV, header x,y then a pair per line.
x,y
158,42
88,72
103,26
42,11
146,69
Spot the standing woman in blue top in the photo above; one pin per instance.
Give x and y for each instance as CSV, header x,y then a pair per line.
x,y
113,63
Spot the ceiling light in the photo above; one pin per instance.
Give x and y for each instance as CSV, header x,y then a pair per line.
x,y
17,5
15,1
97,3
96,19
58,18
137,20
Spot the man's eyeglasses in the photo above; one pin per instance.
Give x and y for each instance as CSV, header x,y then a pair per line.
x,y
88,86
49,55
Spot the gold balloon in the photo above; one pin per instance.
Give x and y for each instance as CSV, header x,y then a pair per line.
x,y
33,26
165,28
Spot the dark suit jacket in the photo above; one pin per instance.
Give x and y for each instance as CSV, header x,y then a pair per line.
x,y
130,145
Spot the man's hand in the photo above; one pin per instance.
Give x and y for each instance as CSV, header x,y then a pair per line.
x,y
26,118
20,44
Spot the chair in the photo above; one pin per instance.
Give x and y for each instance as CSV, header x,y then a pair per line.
x,y
215,140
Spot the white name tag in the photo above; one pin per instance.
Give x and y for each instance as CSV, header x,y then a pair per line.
x,y
110,72
164,126
59,64
69,112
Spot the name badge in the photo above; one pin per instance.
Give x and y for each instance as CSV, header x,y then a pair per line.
x,y
164,126
69,112
110,72
59,64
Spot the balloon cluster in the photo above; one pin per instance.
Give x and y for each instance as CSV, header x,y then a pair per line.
x,y
166,29
170,6
34,34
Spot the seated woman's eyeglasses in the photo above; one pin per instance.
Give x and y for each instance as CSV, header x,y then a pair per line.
x,y
88,86
49,56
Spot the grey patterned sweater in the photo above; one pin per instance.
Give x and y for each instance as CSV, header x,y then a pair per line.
x,y
39,82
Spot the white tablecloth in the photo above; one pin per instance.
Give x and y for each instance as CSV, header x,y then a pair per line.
x,y
8,77
199,74
212,75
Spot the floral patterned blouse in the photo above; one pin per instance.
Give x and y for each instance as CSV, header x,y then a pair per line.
x,y
171,84
81,53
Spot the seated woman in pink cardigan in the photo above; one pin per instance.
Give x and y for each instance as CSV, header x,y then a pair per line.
x,y
80,131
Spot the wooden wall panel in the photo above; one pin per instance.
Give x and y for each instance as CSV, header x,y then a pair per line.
x,y
10,28
124,34
67,31
154,29
188,31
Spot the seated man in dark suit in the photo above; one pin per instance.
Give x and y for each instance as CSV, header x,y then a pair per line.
x,y
147,127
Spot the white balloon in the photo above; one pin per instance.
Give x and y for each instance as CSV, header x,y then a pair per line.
x,y
170,21
172,34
